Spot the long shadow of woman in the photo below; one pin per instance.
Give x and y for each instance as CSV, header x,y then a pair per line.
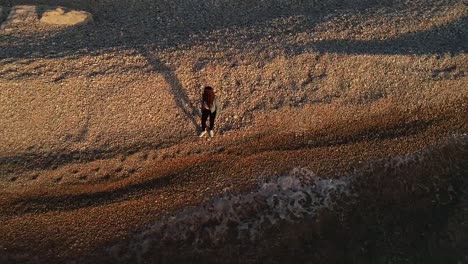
x,y
176,89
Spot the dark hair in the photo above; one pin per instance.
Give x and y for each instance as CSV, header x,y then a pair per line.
x,y
208,96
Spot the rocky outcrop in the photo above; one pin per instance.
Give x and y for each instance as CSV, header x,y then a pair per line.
x,y
64,16
22,13
52,15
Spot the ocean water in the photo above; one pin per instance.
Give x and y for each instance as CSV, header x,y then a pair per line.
x,y
291,198
288,198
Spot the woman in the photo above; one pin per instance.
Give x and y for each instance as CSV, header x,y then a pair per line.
x,y
209,107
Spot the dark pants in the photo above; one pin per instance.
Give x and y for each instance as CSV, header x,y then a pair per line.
x,y
205,114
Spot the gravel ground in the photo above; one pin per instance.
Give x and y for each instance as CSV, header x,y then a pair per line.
x,y
99,121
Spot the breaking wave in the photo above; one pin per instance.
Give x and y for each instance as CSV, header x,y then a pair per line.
x,y
287,198
291,198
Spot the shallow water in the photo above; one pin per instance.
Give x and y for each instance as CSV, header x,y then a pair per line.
x,y
294,198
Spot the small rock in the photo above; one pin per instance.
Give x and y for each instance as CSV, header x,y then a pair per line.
x,y
64,16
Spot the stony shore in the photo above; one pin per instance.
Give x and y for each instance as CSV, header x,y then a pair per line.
x,y
99,121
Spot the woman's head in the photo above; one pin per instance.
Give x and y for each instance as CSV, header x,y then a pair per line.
x,y
208,95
